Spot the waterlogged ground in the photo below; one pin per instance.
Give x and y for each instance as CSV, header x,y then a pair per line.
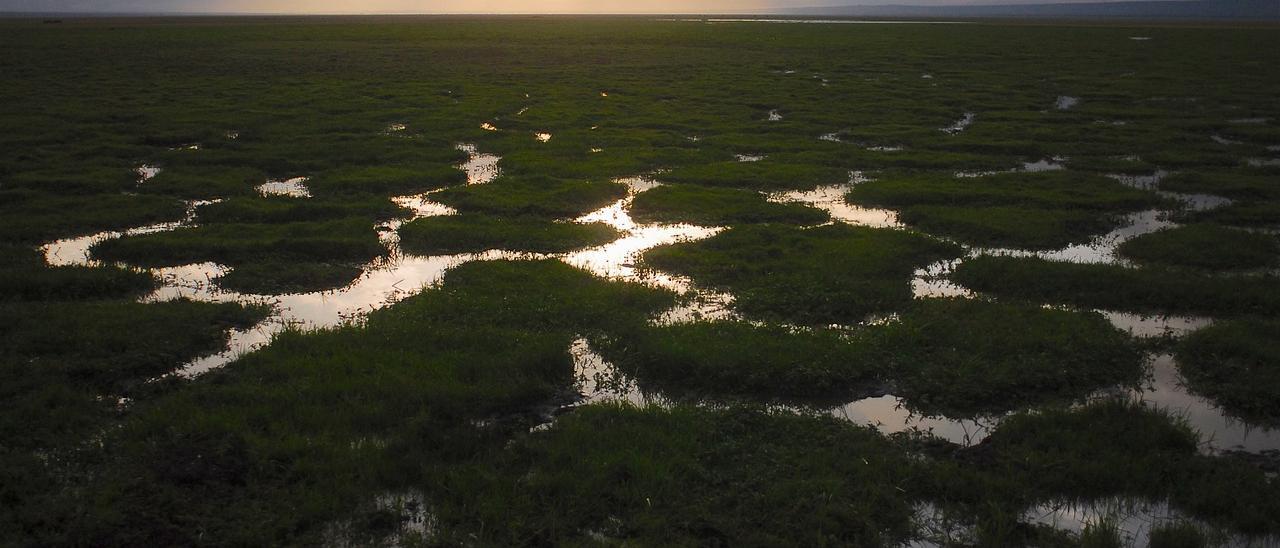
x,y
622,281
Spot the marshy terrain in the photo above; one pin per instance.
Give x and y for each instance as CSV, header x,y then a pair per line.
x,y
632,281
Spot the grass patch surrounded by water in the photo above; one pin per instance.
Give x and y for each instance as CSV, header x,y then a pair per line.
x,y
347,240
709,206
532,195
826,274
288,277
738,359
467,233
764,175
1202,246
283,209
24,277
1237,365
1115,287
37,217
961,357
1009,226
688,476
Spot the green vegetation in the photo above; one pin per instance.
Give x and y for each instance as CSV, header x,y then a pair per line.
x,y
762,175
532,195
740,359
717,206
827,274
1120,288
1008,226
352,240
301,443
1179,535
282,277
1237,365
447,234
1204,246
959,357
1028,210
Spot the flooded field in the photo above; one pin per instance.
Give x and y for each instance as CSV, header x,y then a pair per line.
x,y
639,282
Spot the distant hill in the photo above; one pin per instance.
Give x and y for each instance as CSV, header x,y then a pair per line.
x,y
1187,9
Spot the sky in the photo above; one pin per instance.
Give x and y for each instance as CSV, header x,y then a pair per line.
x,y
454,6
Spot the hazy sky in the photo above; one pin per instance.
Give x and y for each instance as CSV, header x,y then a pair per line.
x,y
454,6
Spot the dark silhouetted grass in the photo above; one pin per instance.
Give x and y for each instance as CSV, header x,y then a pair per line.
x,y
465,233
717,206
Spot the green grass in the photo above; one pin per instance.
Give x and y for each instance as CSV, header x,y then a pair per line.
x,y
447,234
36,217
736,359
384,180
686,477
763,175
827,274
532,195
1120,288
37,283
1048,190
1009,226
203,182
1179,535
285,277
960,357
280,209
717,206
1237,365
299,433
1206,247
341,240
1234,185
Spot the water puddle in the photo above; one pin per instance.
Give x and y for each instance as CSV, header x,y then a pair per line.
x,y
960,125
833,137
748,157
488,127
1225,141
481,167
1155,325
293,188
542,136
1140,38
774,115
146,172
1055,163
75,251
890,415
1066,102
415,524
1250,121
831,199
396,127
827,21
1263,162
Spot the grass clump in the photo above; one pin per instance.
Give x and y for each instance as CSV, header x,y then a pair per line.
x,y
35,217
203,182
1204,246
737,359
288,277
1051,190
821,275
1115,287
961,357
532,195
466,233
1181,534
277,444
764,175
282,209
717,206
24,277
385,180
1009,226
688,476
346,240
1237,364
1027,210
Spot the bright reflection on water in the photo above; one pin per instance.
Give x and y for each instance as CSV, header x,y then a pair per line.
x,y
146,172
481,167
1066,102
960,125
831,199
542,136
294,188
774,115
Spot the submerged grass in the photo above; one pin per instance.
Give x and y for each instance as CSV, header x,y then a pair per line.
x,y
717,206
822,275
446,234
